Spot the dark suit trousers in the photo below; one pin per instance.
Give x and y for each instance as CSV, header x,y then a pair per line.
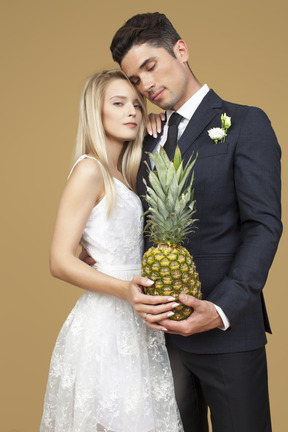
x,y
233,385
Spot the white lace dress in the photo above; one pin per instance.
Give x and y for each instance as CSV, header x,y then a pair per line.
x,y
109,372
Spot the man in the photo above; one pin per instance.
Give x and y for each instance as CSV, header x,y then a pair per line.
x,y
218,354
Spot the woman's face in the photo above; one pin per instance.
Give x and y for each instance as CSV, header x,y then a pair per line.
x,y
121,111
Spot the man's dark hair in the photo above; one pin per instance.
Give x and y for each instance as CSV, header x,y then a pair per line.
x,y
153,28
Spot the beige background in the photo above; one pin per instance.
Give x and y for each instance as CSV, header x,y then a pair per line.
x,y
48,48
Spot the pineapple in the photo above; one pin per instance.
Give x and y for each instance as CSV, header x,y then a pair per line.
x,y
169,220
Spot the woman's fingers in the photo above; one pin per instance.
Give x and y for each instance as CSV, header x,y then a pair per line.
x,y
154,124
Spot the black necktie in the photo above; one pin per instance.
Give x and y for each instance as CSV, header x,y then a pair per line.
x,y
170,144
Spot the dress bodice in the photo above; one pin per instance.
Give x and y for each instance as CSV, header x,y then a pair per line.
x,y
117,239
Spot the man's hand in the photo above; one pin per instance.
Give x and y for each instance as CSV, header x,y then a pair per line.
x,y
83,256
204,317
151,309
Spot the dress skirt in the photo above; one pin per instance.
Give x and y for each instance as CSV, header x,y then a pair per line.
x,y
109,372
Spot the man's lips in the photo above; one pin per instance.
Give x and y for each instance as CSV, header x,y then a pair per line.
x,y
157,95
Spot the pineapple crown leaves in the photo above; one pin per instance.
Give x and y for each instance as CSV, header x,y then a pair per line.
x,y
170,198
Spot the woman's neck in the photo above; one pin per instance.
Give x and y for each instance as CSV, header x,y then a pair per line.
x,y
113,153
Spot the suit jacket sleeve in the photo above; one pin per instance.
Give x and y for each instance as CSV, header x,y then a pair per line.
x,y
258,189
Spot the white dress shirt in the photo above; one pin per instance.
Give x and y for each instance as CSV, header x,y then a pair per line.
x,y
186,111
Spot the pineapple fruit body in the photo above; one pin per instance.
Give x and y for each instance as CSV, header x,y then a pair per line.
x,y
169,220
173,272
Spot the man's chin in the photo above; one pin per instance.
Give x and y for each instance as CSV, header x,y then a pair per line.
x,y
162,104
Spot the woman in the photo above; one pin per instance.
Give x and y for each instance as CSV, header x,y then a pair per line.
x,y
109,371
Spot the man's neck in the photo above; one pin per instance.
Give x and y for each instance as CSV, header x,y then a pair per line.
x,y
192,88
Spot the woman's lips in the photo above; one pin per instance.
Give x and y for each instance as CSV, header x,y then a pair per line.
x,y
131,124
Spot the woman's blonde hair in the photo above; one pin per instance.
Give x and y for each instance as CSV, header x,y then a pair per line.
x,y
91,135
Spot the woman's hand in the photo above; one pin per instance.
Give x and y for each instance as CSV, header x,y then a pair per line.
x,y
150,308
154,124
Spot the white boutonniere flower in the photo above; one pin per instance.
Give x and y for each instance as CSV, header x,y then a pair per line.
x,y
218,133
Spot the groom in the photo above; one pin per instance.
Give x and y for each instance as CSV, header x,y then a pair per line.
x,y
218,354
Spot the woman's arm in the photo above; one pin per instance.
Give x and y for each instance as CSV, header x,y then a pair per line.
x,y
83,190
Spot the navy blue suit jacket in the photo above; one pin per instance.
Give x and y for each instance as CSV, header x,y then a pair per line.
x,y
237,191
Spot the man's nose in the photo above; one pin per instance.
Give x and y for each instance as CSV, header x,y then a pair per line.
x,y
147,83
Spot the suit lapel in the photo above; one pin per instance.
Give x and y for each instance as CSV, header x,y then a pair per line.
x,y
149,144
209,107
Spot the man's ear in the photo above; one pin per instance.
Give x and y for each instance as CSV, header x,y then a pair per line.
x,y
181,51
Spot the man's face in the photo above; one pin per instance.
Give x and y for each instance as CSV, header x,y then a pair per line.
x,y
159,76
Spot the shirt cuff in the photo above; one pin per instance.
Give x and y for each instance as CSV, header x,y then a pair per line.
x,y
226,322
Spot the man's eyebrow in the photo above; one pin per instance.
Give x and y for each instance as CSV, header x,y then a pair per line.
x,y
142,66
